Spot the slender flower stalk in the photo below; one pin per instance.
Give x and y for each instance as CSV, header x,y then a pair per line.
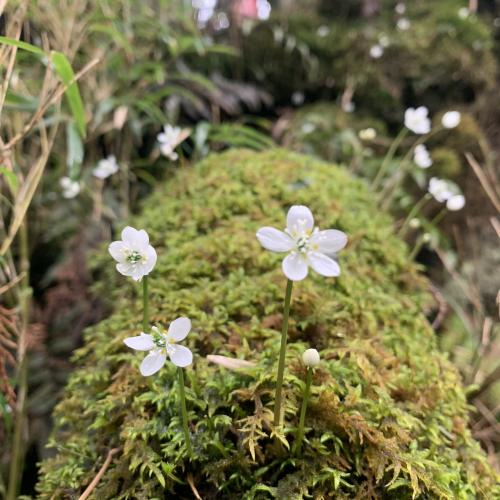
x,y
303,409
311,359
414,211
182,397
281,363
388,157
145,304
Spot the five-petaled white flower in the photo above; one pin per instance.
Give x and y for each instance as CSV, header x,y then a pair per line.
x,y
105,167
417,120
135,256
421,156
70,188
307,245
170,138
161,344
451,119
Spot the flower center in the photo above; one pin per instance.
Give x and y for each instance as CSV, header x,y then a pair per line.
x,y
134,257
303,244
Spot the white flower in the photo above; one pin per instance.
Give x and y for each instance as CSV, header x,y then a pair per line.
x,y
463,13
160,345
422,157
135,256
376,51
105,167
384,41
440,189
403,24
306,244
70,187
451,119
311,358
400,8
367,134
417,120
170,138
455,202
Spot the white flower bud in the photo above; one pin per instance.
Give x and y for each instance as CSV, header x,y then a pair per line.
x,y
311,358
414,223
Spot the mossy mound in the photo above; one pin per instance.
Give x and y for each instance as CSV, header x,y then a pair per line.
x,y
388,416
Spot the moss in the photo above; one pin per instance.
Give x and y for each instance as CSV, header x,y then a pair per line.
x,y
388,416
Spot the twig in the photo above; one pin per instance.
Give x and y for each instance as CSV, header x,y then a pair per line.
x,y
193,487
485,182
442,307
99,475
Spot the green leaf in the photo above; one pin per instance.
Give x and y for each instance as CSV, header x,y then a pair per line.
x,y
65,72
10,178
75,150
22,45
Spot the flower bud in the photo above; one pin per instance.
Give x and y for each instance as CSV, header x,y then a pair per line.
x,y
311,358
414,223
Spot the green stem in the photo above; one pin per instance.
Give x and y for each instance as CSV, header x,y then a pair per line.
x,y
414,211
145,304
388,157
182,397
281,363
17,456
303,409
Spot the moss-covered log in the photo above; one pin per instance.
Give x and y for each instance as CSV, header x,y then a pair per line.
x,y
387,416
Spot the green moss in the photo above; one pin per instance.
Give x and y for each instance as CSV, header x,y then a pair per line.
x,y
387,417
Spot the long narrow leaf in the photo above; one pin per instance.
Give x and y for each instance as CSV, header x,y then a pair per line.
x,y
65,72
21,45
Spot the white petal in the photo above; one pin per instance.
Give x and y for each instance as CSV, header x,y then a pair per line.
x,y
151,258
117,250
137,240
152,363
138,271
295,266
179,328
299,219
142,342
323,265
181,356
125,268
329,241
275,240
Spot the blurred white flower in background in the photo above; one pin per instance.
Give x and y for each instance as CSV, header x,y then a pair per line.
x,y
367,134
134,255
400,8
451,119
70,188
376,51
463,13
456,202
348,106
160,345
170,138
106,167
422,157
417,120
383,40
403,24
307,245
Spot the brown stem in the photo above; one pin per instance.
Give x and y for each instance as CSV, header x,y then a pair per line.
x,y
99,475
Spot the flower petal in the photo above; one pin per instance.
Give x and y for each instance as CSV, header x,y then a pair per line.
x,y
151,258
179,328
323,264
152,363
275,240
181,356
295,266
329,241
117,250
142,342
299,220
137,240
125,268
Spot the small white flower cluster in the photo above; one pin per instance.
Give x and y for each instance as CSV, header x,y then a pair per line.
x,y
421,156
445,191
170,138
70,187
106,167
418,121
